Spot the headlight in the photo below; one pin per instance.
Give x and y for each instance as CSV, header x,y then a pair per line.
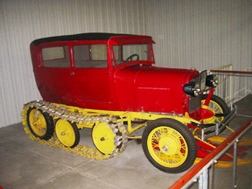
x,y
192,88
212,81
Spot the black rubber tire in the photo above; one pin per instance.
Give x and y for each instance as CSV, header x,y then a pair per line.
x,y
49,124
225,109
182,130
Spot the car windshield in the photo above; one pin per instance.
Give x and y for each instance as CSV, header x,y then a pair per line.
x,y
129,53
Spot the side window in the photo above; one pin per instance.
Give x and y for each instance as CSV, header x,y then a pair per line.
x,y
98,52
90,56
57,57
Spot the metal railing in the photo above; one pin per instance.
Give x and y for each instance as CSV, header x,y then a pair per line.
x,y
233,85
200,172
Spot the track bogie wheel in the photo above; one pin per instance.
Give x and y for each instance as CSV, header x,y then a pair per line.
x,y
109,138
67,133
40,123
169,145
103,138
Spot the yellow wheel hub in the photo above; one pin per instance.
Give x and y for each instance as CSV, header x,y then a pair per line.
x,y
103,138
65,132
37,122
167,146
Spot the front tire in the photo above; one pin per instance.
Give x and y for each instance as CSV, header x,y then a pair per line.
x,y
169,145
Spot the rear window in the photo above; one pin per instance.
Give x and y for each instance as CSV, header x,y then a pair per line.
x,y
56,56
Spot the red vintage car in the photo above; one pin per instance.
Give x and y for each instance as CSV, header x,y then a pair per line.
x,y
108,82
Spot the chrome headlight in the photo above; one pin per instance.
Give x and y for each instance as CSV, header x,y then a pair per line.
x,y
192,88
212,81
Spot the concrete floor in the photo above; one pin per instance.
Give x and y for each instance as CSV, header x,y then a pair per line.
x,y
25,164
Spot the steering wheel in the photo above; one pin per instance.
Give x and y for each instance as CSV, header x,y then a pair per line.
x,y
130,58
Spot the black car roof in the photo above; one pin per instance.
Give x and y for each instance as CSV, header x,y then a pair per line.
x,y
81,36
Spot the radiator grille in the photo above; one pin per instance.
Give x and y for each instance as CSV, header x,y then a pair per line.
x,y
194,103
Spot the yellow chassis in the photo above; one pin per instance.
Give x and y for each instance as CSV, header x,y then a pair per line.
x,y
127,117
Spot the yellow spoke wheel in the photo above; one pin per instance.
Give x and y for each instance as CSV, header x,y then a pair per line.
x,y
67,133
169,145
103,138
218,106
40,123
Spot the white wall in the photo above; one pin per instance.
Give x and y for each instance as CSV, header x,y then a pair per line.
x,y
22,21
196,33
201,33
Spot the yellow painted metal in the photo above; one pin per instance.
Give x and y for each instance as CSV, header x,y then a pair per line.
x,y
245,142
230,129
207,143
222,164
219,140
228,164
85,125
127,116
37,122
153,116
216,139
212,119
103,138
167,147
65,132
132,129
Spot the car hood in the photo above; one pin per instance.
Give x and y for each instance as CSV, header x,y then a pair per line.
x,y
139,85
150,76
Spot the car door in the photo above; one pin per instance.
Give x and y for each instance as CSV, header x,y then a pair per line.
x,y
52,76
91,76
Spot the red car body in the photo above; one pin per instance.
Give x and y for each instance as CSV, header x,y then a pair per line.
x,y
131,85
